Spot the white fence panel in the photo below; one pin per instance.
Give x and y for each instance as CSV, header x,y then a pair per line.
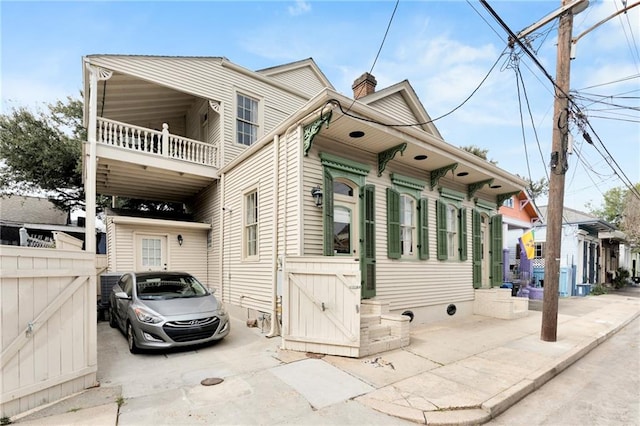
x,y
48,325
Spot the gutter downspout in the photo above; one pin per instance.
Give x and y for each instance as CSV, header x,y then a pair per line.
x,y
275,327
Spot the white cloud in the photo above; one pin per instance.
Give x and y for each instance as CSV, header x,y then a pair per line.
x,y
300,7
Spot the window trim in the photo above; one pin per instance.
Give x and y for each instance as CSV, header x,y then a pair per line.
x,y
259,118
245,225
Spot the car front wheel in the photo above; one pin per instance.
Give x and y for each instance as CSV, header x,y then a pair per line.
x,y
131,340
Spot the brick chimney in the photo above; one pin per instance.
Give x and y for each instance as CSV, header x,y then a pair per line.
x,y
364,85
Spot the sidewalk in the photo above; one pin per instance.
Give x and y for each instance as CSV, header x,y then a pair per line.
x,y
461,371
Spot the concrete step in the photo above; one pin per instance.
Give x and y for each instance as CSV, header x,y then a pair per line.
x,y
378,332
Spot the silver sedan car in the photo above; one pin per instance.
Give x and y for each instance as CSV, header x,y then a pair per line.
x,y
158,310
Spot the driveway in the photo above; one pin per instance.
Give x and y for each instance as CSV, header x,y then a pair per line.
x,y
244,350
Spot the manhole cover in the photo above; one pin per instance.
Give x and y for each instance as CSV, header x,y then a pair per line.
x,y
210,381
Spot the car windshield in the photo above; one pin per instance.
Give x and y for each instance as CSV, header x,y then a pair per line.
x,y
169,287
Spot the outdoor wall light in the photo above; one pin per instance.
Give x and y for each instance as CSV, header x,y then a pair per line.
x,y
316,193
180,239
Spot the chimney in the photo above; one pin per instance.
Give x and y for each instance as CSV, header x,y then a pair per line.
x,y
364,85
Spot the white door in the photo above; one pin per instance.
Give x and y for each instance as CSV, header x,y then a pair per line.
x,y
151,252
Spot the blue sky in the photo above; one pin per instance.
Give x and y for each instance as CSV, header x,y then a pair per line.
x,y
444,49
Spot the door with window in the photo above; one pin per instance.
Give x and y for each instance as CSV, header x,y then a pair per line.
x,y
151,252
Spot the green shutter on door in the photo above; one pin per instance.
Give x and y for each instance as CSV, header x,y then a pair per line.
x,y
462,234
327,210
496,250
441,225
477,249
423,229
368,246
393,223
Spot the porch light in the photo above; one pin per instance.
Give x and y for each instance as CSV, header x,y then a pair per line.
x,y
316,193
180,239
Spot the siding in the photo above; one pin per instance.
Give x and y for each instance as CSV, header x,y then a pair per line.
x,y
207,209
190,257
303,79
405,284
249,283
395,106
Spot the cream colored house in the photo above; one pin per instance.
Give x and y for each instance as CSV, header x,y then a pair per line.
x,y
327,212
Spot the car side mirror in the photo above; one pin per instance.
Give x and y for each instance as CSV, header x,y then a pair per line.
x,y
211,290
122,295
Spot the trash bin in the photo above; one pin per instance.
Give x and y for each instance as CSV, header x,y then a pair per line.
x,y
584,289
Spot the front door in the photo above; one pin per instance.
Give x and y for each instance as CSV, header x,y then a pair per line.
x,y
151,252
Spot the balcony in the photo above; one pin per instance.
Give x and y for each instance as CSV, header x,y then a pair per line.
x,y
139,162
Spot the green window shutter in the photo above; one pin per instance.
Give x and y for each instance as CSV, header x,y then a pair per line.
x,y
462,233
441,225
423,229
477,249
496,250
393,223
368,247
327,210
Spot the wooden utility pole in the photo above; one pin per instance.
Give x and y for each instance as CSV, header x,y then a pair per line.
x,y
558,167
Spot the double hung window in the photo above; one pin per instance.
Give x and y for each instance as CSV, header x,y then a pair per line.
x,y
250,235
247,120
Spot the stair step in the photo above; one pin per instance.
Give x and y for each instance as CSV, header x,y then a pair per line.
x,y
378,332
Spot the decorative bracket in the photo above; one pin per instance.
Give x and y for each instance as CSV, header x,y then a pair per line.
x,y
215,106
100,73
385,156
501,197
438,173
473,187
312,130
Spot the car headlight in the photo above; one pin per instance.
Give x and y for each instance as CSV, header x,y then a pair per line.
x,y
146,316
222,310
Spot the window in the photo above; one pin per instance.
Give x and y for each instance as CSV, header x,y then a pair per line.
x,y
508,202
539,251
407,225
344,205
151,252
251,224
452,231
247,120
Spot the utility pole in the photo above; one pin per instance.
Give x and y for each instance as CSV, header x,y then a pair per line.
x,y
558,167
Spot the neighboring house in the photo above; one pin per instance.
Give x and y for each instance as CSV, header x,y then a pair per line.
x,y
591,251
37,215
307,204
519,216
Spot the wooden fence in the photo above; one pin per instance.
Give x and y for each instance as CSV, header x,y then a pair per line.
x,y
48,326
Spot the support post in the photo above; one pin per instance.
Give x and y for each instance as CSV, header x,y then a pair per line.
x,y
558,168
90,165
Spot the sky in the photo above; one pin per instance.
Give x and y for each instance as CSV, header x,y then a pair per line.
x,y
445,49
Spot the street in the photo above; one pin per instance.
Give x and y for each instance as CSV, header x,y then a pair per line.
x,y
600,389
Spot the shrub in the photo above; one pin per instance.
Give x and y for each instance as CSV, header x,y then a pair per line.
x,y
622,276
598,289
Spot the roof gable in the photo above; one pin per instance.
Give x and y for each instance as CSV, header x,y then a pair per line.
x,y
405,104
304,75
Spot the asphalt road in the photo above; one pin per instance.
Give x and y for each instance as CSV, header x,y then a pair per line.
x,y
603,388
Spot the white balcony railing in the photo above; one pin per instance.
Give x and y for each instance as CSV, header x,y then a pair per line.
x,y
162,143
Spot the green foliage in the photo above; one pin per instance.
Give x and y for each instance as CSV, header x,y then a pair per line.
x,y
5,420
535,189
621,207
478,152
41,152
599,289
622,278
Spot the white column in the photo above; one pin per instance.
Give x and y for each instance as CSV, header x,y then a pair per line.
x,y
90,164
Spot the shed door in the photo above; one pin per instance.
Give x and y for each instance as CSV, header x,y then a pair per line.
x,y
151,252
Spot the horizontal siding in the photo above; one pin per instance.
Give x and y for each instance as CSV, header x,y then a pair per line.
x,y
191,257
206,209
249,283
303,79
289,195
395,106
404,284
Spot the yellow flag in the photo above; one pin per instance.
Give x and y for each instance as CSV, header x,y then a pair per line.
x,y
528,244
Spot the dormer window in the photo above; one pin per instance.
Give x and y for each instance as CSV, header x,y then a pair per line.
x,y
247,120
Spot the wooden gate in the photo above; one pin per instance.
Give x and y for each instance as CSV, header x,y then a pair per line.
x,y
321,305
48,325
